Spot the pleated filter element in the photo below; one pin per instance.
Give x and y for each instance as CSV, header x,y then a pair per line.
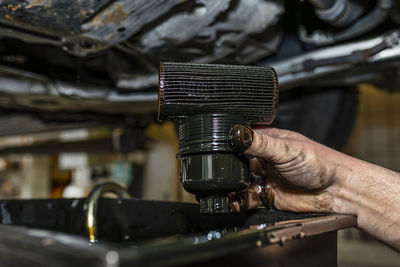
x,y
187,89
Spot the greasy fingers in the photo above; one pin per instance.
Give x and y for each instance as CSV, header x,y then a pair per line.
x,y
257,195
271,144
298,168
279,133
273,149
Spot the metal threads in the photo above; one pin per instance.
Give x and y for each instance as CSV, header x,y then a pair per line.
x,y
214,204
187,89
207,133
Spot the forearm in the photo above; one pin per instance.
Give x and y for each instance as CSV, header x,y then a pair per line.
x,y
305,176
373,194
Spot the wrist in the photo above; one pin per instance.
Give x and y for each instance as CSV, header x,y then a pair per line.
x,y
345,189
361,187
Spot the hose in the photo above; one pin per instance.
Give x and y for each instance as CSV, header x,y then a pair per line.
x,y
322,4
363,25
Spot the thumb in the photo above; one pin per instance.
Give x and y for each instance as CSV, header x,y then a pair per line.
x,y
259,145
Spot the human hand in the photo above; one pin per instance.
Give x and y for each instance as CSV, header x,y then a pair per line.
x,y
298,173
305,176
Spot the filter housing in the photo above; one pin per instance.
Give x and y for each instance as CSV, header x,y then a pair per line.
x,y
207,100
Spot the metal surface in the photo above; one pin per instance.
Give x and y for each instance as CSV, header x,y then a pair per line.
x,y
317,250
52,95
134,234
187,89
338,59
21,246
38,92
208,100
91,205
87,27
91,139
213,176
207,132
116,45
125,83
339,13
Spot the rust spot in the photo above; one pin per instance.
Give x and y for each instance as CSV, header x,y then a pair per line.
x,y
115,13
14,7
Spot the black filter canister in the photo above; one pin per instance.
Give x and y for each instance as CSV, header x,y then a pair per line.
x,y
207,100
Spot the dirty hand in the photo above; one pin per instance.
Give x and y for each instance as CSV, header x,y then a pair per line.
x,y
297,171
305,176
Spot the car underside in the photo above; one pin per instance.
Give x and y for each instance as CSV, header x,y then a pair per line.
x,y
67,64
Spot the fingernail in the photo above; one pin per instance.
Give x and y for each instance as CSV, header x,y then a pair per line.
x,y
241,137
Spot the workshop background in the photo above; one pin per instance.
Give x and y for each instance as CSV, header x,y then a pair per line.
x,y
78,98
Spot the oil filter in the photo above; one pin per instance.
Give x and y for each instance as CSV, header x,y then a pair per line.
x,y
207,100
